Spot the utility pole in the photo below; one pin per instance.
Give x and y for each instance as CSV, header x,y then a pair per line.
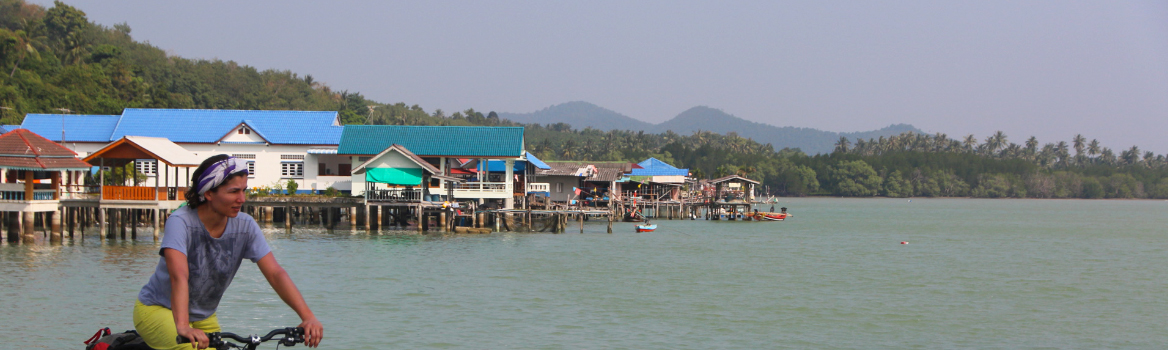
x,y
64,111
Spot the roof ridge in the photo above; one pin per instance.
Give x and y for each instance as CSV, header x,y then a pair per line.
x,y
26,143
118,125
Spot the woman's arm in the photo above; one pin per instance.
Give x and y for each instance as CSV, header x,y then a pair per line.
x,y
176,266
282,283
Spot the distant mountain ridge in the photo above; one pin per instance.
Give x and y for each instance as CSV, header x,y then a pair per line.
x,y
583,114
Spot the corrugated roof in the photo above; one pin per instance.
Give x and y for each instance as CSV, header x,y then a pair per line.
x,y
78,128
539,164
655,167
24,149
445,141
403,151
161,148
210,125
606,175
733,178
7,128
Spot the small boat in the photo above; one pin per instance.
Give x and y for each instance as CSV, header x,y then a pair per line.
x,y
770,216
646,228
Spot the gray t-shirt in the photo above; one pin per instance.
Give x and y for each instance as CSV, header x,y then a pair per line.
x,y
211,262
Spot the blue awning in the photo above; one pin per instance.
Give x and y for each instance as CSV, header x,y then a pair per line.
x,y
536,162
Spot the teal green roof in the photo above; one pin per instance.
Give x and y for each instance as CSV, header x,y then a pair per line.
x,y
443,141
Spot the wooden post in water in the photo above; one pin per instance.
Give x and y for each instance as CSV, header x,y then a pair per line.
x,y
156,215
610,215
580,217
99,220
368,214
419,208
28,225
55,229
352,218
134,223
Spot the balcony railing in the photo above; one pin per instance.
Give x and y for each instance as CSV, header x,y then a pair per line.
x,y
18,196
395,195
539,187
500,187
136,193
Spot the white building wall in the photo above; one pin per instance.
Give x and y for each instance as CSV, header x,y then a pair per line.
x,y
268,166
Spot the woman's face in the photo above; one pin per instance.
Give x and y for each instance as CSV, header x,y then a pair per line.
x,y
229,197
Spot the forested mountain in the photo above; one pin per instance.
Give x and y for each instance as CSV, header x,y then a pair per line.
x,y
811,141
582,115
54,60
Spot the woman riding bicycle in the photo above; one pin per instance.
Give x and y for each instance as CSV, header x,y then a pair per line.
x,y
205,243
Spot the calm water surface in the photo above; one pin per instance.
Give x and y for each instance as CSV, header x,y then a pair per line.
x,y
976,274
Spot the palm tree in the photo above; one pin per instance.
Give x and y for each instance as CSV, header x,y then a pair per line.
x,y
1080,143
998,141
1107,156
25,44
1131,156
1093,148
842,145
969,143
1063,153
1031,147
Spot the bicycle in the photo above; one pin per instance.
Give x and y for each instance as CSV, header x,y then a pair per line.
x,y
218,340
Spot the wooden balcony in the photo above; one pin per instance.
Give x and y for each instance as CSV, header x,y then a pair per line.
x,y
137,193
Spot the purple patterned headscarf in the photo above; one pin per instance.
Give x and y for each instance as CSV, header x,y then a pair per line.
x,y
220,171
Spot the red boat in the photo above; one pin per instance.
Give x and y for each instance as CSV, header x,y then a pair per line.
x,y
768,216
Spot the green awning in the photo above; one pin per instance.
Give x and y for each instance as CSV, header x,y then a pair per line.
x,y
395,176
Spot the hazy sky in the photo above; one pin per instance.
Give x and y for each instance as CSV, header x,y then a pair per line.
x,y
1045,68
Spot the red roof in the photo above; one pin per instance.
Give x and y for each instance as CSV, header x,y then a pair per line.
x,y
23,149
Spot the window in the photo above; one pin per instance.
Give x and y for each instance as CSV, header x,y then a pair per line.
x,y
559,187
244,131
146,167
243,156
291,157
345,169
251,169
292,169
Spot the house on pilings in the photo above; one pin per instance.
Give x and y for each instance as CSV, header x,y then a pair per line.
x,y
31,173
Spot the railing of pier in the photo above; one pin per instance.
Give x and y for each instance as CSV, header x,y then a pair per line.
x,y
481,187
394,195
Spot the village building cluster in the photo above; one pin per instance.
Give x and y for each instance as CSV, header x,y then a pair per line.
x,y
393,172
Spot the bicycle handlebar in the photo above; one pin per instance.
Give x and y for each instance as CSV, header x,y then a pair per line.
x,y
291,336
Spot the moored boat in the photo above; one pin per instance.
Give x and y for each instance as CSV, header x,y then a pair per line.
x,y
770,216
646,228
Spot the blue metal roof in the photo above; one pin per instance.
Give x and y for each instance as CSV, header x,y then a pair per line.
x,y
78,128
499,166
7,128
655,167
536,162
445,141
210,125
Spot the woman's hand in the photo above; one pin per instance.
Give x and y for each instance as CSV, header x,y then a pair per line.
x,y
195,335
313,332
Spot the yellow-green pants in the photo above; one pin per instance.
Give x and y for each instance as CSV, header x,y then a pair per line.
x,y
156,326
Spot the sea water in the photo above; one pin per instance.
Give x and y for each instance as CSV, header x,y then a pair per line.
x,y
973,274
